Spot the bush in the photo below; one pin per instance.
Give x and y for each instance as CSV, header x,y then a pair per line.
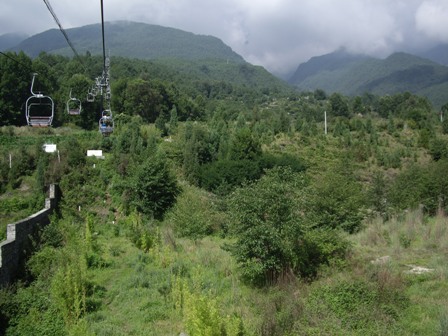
x,y
267,226
224,175
155,188
322,247
269,161
194,215
407,190
336,201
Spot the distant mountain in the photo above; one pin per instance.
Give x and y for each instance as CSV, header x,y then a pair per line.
x,y
132,40
195,58
357,74
8,41
330,62
438,54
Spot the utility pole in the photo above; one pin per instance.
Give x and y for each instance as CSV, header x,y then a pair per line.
x,y
325,117
10,161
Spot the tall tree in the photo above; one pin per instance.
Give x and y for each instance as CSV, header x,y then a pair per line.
x,y
338,105
15,82
267,226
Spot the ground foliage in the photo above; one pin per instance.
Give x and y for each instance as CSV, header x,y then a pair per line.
x,y
230,213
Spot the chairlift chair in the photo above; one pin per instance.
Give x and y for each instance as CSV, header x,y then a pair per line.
x,y
90,97
39,109
74,106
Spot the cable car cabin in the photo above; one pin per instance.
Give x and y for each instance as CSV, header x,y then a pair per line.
x,y
106,125
39,110
74,106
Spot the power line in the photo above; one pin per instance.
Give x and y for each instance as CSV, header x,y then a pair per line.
x,y
50,9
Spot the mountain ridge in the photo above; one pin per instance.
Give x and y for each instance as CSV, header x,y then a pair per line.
x,y
130,39
10,40
357,74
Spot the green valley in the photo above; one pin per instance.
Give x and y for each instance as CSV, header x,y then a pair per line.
x,y
225,203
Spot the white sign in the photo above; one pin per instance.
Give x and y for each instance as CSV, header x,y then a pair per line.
x,y
49,148
96,153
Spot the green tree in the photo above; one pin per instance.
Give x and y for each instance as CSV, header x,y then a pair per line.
x,y
320,94
15,82
155,188
244,146
174,120
377,192
444,112
338,105
335,200
143,99
408,188
267,226
438,148
161,122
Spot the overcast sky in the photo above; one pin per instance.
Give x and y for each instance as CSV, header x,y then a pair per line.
x,y
277,34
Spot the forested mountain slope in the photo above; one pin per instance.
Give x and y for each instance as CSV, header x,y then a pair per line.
x,y
355,75
8,41
132,40
437,54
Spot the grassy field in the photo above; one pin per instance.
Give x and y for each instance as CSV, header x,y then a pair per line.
x,y
180,285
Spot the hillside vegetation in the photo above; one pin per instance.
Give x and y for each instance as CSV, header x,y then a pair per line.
x,y
132,40
221,207
356,74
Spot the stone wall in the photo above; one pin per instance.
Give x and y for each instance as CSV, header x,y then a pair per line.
x,y
18,244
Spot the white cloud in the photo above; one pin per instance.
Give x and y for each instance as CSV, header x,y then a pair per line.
x,y
278,34
432,19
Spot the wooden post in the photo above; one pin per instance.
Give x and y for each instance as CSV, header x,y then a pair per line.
x,y
10,161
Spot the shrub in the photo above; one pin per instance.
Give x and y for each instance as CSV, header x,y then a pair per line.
x,y
224,175
267,226
155,187
193,215
322,247
335,200
269,161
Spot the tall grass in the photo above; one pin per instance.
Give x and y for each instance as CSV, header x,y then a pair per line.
x,y
411,230
411,239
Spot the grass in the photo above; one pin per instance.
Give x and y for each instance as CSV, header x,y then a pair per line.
x,y
134,294
17,204
411,240
135,289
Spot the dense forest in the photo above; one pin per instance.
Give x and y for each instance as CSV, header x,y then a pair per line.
x,y
224,205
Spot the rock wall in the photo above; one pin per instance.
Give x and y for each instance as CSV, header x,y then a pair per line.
x,y
17,247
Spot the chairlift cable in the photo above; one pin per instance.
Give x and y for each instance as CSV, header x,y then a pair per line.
x,y
102,29
50,9
30,68
18,62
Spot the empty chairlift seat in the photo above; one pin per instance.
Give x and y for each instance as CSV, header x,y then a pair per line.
x,y
74,106
39,109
